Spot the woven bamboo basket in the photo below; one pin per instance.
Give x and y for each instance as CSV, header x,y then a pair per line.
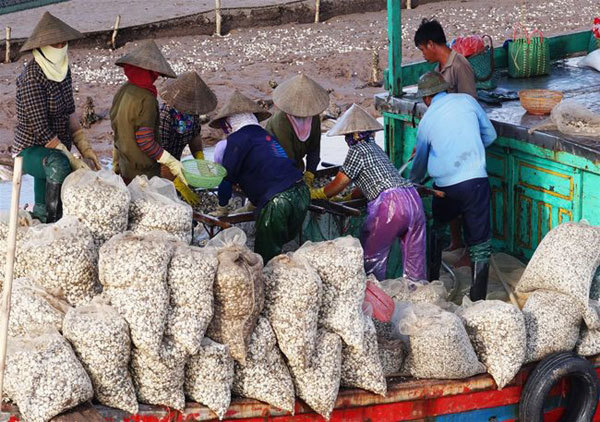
x,y
539,101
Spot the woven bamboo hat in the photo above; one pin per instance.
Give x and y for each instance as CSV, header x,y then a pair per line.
x,y
238,104
189,94
356,119
50,30
300,96
148,56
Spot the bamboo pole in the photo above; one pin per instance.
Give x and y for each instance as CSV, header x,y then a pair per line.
x,y
113,39
317,10
10,264
409,4
7,55
218,17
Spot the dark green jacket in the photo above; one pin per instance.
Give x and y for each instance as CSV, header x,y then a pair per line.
x,y
280,127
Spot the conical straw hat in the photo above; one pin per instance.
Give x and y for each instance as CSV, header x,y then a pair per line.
x,y
50,30
356,119
189,94
238,104
148,56
300,96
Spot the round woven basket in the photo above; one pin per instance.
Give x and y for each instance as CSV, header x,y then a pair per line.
x,y
539,101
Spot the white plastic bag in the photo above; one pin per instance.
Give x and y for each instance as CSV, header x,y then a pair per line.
x,y
99,199
591,60
405,290
589,339
155,206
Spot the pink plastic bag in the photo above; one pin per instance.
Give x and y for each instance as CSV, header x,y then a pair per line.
x,y
378,303
468,46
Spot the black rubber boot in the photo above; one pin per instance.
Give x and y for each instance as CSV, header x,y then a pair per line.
x,y
53,202
480,271
435,250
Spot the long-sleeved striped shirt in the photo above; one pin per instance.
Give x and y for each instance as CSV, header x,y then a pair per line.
x,y
43,109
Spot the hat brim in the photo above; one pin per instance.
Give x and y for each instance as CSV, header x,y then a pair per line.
x,y
260,116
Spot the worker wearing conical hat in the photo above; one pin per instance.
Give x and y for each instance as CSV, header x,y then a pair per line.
x,y
184,100
297,124
255,161
135,119
46,123
395,210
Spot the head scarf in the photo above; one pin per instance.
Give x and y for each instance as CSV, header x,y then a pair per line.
x,y
53,61
237,121
356,137
301,125
142,77
219,151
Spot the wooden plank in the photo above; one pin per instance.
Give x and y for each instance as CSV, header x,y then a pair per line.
x,y
83,413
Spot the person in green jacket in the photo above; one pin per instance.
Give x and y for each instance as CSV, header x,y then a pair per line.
x,y
134,116
297,124
47,126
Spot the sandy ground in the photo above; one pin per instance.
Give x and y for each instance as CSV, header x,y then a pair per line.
x,y
337,53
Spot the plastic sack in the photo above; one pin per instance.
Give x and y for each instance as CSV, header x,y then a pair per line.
x,y
591,60
238,293
339,263
588,343
24,222
44,377
572,118
565,262
209,376
405,290
377,304
155,206
497,332
99,199
439,344
264,376
291,284
133,270
33,309
100,338
391,354
62,258
318,384
468,46
552,323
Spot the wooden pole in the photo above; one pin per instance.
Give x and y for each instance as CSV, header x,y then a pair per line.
x,y
409,4
113,39
317,10
7,56
218,17
10,265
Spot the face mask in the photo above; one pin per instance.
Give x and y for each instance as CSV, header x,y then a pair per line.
x,y
53,61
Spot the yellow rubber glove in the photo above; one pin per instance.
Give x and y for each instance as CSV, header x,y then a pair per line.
x,y
309,178
75,162
220,212
84,147
318,193
173,164
186,193
115,161
345,198
199,155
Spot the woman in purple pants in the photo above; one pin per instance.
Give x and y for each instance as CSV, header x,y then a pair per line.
x,y
395,209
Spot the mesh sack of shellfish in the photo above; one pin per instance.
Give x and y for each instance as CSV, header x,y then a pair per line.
x,y
439,344
589,339
497,332
190,279
155,206
340,265
133,270
100,338
265,376
565,262
552,323
209,376
32,309
405,290
159,380
24,221
318,384
62,258
43,377
100,200
292,302
238,292
363,368
391,354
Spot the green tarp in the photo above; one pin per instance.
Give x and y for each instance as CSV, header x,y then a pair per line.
x,y
10,6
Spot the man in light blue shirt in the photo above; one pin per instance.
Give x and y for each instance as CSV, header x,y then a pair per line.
x,y
451,142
